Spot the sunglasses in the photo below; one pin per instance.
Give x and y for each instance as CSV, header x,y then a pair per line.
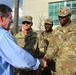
x,y
25,22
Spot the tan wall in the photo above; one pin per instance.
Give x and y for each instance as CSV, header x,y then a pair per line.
x,y
38,9
55,0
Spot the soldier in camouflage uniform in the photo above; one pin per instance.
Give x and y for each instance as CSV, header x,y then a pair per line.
x,y
28,40
43,45
63,44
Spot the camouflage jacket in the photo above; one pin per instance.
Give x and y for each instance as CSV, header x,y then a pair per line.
x,y
44,38
31,44
64,47
28,42
20,39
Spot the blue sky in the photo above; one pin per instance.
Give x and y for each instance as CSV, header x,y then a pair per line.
x,y
10,3
7,2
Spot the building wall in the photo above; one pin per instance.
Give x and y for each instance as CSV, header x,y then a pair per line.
x,y
38,9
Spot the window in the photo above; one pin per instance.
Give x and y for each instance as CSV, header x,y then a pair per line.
x,y
55,6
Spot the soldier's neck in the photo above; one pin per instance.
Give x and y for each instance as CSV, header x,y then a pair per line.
x,y
26,32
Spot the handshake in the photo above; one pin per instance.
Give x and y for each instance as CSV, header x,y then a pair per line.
x,y
43,62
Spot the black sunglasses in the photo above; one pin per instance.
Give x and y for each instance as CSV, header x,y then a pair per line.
x,y
25,22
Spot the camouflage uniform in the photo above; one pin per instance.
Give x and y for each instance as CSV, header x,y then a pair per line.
x,y
64,47
28,42
31,44
51,65
44,38
20,39
43,45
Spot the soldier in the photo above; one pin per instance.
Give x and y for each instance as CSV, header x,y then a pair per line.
x,y
63,44
28,40
43,45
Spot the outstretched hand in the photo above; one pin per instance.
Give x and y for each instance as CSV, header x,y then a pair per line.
x,y
43,63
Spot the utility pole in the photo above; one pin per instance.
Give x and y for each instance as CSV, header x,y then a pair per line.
x,y
16,12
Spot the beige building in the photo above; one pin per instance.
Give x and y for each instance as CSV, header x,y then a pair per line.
x,y
41,9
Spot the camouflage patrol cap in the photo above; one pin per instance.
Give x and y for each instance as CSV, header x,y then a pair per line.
x,y
48,20
64,11
27,18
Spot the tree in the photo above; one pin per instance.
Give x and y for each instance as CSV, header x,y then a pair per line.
x,y
41,19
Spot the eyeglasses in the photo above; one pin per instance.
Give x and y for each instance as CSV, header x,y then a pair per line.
x,y
62,17
25,22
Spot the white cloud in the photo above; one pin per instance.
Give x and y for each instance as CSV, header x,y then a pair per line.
x,y
20,12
